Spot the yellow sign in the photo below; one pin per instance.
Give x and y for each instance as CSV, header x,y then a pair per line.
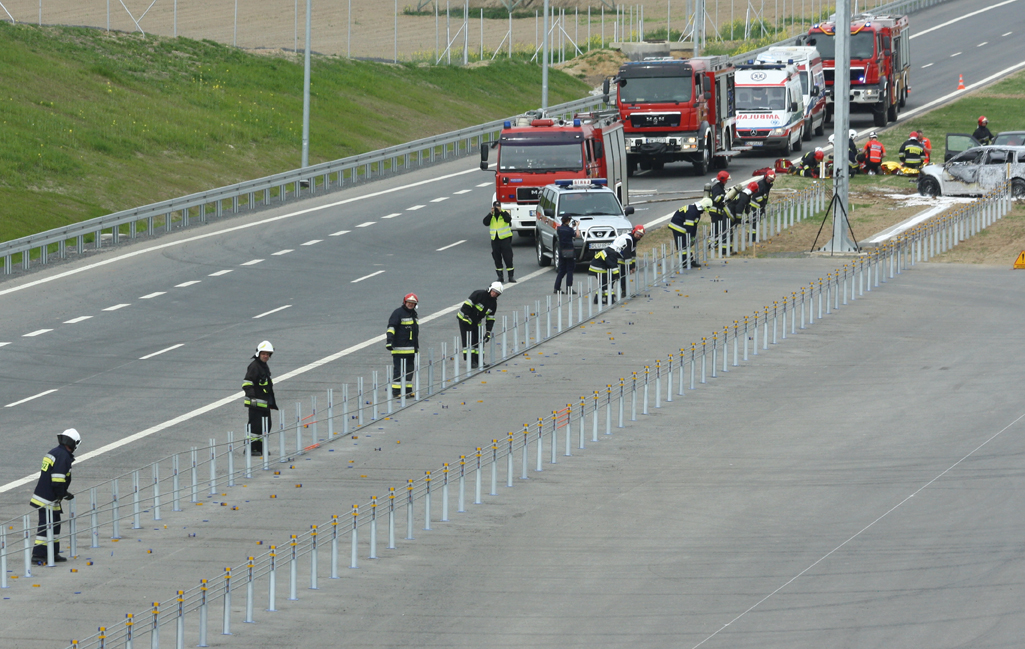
x,y
1020,262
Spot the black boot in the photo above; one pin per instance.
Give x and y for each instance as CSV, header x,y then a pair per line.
x,y
512,280
499,273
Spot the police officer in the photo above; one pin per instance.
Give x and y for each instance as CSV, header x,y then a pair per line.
x,y
684,225
874,154
565,234
810,163
479,307
259,389
912,153
626,243
403,341
499,224
605,266
51,489
982,133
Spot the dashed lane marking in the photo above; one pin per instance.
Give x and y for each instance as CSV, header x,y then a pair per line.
x,y
367,224
280,308
37,332
486,184
150,296
184,284
251,262
982,43
282,252
415,208
439,199
452,245
142,358
312,242
4,344
115,307
35,396
339,233
462,191
960,18
391,216
219,273
366,277
926,65
80,318
955,54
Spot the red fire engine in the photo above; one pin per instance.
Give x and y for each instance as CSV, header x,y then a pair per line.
x,y
533,153
677,110
880,64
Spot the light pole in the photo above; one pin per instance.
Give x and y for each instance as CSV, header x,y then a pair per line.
x,y
306,90
544,67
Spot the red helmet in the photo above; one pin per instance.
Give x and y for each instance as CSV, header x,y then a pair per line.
x,y
914,135
411,297
983,121
752,187
722,176
638,231
770,177
819,154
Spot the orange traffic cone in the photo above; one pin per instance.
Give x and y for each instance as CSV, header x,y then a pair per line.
x,y
960,82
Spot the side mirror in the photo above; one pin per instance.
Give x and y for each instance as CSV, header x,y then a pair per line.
x,y
605,86
628,210
793,107
708,95
887,53
549,211
484,156
815,91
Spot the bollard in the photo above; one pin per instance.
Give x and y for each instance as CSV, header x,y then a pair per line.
x,y
715,350
313,557
647,371
226,618
373,527
293,568
621,395
195,474
540,444
354,539
477,477
180,621
334,546
658,383
391,518
116,519
409,510
50,561
427,501
25,525
693,351
704,355
462,480
494,468
633,399
249,592
331,413
154,632
272,580
213,469
523,460
594,418
669,379
203,613
608,414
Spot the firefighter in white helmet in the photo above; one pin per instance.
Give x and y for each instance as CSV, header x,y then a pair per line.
x,y
51,489
478,309
259,400
403,341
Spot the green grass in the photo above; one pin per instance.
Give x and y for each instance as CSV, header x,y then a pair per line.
x,y
95,122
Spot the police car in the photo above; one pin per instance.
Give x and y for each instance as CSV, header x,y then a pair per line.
x,y
595,211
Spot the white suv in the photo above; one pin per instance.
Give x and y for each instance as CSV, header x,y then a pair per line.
x,y
595,208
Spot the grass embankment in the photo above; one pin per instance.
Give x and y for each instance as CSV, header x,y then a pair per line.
x,y
96,122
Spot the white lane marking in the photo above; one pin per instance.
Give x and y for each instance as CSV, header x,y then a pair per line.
x,y
982,43
184,284
41,394
282,252
972,86
955,54
115,307
960,18
462,191
229,230
142,358
280,308
367,224
392,216
4,344
452,245
150,296
438,200
415,208
927,65
339,233
80,318
251,262
1007,34
219,273
491,184
37,332
366,277
312,242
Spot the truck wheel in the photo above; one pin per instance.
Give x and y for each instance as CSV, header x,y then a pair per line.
x,y
807,130
542,261
787,148
799,144
928,186
892,113
701,167
821,128
879,114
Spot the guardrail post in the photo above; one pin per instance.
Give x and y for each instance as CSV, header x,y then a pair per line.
x,y
391,518
293,569
409,510
314,557
116,527
373,527
272,580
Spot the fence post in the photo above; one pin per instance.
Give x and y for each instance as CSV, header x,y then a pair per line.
x,y
226,621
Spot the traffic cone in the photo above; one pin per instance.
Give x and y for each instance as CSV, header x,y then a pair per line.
x,y
960,82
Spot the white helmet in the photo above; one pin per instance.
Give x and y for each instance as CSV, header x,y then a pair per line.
x,y
852,134
265,346
70,437
496,286
830,139
873,135
704,204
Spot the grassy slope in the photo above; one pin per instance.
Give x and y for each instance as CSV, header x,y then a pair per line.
x,y
95,122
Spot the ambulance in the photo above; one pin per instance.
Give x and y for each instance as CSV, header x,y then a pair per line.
x,y
770,106
813,82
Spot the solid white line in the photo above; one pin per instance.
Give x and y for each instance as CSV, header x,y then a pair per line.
x,y
462,191
969,15
491,184
184,284
927,65
219,273
153,295
367,224
282,252
142,358
366,277
452,245
78,319
415,208
955,54
391,216
280,308
251,262
982,43
35,333
438,200
115,307
41,394
312,242
339,233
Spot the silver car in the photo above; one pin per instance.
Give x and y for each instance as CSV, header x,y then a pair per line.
x,y
975,172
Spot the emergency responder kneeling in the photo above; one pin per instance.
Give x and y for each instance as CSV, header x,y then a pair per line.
x,y
684,225
403,341
499,224
51,489
259,389
605,266
912,153
479,308
874,154
626,243
809,167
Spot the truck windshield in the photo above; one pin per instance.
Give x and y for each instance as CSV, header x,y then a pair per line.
x,y
761,98
567,156
862,45
589,204
650,90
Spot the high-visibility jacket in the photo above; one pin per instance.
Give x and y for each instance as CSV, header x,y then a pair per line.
x,y
258,386
686,219
927,145
874,151
479,307
403,331
499,224
911,154
54,479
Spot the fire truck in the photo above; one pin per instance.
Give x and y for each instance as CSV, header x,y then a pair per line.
x,y
534,152
677,110
880,63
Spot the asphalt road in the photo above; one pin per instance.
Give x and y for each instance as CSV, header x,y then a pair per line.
x,y
153,331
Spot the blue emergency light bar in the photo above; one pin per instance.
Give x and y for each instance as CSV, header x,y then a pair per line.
x,y
507,124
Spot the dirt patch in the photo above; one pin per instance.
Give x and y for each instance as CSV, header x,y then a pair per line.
x,y
595,66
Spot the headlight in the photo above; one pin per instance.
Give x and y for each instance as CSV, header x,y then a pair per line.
x,y
622,231
870,94
690,140
777,132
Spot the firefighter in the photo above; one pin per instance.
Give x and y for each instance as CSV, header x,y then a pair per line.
x,y
810,163
911,152
927,145
499,224
761,197
982,133
259,390
479,308
404,344
51,489
717,213
605,266
741,205
852,152
627,244
874,154
684,224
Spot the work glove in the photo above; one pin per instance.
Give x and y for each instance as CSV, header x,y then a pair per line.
x,y
69,496
487,337
387,346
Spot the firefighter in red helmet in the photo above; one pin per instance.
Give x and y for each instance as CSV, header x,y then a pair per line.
x,y
403,341
982,133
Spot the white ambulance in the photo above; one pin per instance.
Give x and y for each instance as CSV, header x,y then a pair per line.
x,y
770,106
813,82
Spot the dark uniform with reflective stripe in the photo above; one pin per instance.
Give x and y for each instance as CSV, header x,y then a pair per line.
x,y
911,154
685,222
983,135
479,307
741,205
259,389
717,213
627,258
605,265
809,166
404,343
499,224
54,480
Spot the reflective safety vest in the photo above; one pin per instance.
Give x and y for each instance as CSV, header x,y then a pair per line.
x,y
54,479
875,151
403,331
499,225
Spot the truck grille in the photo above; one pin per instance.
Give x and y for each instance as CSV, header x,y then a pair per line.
x,y
527,194
857,75
648,120
601,232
